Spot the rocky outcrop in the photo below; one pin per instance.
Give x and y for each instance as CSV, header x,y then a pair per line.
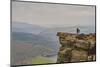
x,y
76,47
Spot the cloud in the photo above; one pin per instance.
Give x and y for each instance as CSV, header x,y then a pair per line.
x,y
49,14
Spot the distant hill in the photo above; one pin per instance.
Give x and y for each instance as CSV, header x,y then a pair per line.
x,y
33,39
25,27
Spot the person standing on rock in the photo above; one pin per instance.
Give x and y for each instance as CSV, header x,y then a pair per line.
x,y
78,30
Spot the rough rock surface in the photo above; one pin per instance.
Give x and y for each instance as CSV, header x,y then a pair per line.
x,y
76,47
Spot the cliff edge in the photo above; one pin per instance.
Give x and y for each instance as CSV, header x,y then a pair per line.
x,y
76,47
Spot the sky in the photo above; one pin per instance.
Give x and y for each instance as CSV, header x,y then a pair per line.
x,y
46,15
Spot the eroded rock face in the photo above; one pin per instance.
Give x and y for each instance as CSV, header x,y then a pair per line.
x,y
76,47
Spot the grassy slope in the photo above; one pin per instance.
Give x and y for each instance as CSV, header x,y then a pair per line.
x,y
41,60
